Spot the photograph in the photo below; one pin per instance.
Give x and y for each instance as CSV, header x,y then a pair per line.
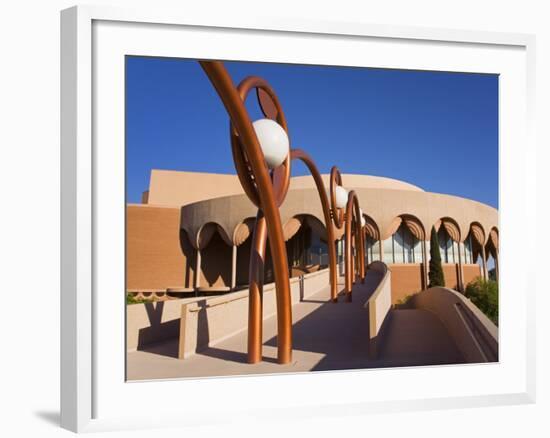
x,y
373,244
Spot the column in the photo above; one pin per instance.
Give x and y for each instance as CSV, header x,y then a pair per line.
x,y
234,268
484,260
460,279
197,271
425,264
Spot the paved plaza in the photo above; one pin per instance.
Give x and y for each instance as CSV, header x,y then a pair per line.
x,y
326,336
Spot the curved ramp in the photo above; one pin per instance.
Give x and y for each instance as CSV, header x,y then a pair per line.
x,y
474,334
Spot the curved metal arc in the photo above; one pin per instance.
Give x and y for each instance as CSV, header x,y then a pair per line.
x,y
353,217
337,213
271,107
234,106
298,154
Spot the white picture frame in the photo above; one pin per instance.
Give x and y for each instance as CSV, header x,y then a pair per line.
x,y
93,397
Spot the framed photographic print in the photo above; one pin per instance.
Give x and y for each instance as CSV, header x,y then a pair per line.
x,y
265,214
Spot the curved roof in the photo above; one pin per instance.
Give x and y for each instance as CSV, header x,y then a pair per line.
x,y
175,188
355,181
383,206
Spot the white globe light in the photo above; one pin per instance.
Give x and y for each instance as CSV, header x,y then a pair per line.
x,y
273,141
363,221
341,197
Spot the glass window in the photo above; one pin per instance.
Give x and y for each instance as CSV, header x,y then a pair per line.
x,y
406,247
399,246
445,245
387,247
371,252
418,251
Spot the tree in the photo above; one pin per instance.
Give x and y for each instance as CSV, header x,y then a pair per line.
x,y
436,270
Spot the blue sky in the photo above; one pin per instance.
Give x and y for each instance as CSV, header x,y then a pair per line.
x,y
436,130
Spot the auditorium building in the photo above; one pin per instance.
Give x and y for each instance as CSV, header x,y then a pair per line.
x,y
192,233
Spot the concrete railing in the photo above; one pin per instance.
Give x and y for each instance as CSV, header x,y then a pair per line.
x,y
203,321
207,322
474,334
378,305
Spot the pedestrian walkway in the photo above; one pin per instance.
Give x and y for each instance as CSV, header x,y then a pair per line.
x,y
326,336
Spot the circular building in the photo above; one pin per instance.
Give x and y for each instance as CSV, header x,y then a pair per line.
x,y
192,233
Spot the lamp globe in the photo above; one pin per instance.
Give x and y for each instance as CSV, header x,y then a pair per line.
x,y
273,141
341,195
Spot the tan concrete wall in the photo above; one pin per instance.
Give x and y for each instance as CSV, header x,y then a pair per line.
x,y
378,305
155,257
471,272
173,188
475,335
450,271
207,320
406,279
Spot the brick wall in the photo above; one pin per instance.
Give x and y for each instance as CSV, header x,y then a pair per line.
x,y
406,279
157,256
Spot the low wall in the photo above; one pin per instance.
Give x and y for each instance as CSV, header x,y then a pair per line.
x,y
475,335
471,272
406,280
378,305
218,317
209,321
450,272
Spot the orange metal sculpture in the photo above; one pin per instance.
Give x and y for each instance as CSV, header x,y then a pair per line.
x,y
353,228
267,191
306,159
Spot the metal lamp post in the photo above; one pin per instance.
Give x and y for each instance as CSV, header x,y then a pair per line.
x,y
262,160
266,190
346,212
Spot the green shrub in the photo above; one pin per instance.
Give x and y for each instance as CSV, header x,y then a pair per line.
x,y
484,294
130,299
436,270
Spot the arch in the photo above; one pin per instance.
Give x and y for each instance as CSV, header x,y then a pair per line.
x,y
478,233
207,231
372,239
291,227
215,269
450,245
492,250
451,227
477,239
371,227
494,238
307,246
243,231
414,225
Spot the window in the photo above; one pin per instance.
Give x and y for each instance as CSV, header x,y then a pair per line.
x,y
447,246
372,252
405,247
468,258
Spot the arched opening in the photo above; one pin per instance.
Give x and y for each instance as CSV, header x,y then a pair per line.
x,y
450,248
491,250
306,245
474,254
213,259
404,250
373,245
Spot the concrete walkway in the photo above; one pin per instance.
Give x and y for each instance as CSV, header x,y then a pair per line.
x,y
326,336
